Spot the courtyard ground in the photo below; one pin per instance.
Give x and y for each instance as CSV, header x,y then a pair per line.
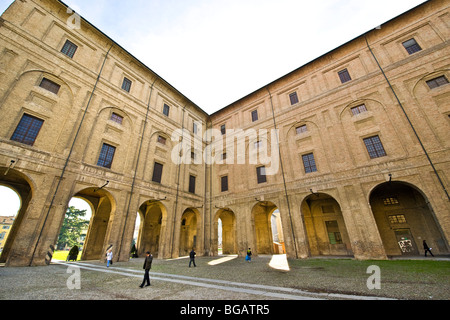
x,y
232,278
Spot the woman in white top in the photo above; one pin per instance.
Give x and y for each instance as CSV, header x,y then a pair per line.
x,y
109,256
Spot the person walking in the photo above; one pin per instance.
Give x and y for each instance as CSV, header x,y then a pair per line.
x,y
109,257
192,257
248,257
427,249
147,266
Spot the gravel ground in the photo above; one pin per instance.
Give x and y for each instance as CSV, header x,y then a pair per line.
x,y
408,279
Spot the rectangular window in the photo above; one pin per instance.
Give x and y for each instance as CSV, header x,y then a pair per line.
x,y
69,48
390,201
261,174
398,218
166,110
254,115
359,109
50,85
116,118
106,156
191,184
374,147
157,172
437,82
301,129
194,128
193,155
309,163
294,98
344,75
224,183
411,46
334,235
224,156
126,84
27,130
161,140
223,129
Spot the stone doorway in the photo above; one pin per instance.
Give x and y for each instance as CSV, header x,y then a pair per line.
x,y
20,184
325,226
103,205
153,216
267,223
189,231
404,219
225,232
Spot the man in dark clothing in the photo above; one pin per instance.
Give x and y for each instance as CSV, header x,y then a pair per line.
x,y
147,266
192,258
426,248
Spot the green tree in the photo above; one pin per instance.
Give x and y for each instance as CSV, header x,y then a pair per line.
x,y
72,227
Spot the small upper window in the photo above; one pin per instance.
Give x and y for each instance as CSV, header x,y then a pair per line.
x,y
344,75
50,85
301,129
359,109
223,129
411,46
294,98
126,84
161,140
116,118
69,48
261,174
166,110
254,115
437,82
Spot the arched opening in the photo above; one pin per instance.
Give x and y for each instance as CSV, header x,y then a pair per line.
x,y
188,231
74,228
225,229
268,229
103,206
325,226
152,215
10,207
404,219
14,181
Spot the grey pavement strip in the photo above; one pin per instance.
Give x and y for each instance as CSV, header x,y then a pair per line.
x,y
265,290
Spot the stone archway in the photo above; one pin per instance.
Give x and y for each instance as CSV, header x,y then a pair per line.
x,y
227,230
190,221
153,215
325,226
404,219
264,221
103,207
18,182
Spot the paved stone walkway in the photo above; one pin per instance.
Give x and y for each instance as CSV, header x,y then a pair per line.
x,y
259,291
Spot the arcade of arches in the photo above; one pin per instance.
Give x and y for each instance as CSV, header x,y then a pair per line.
x,y
402,214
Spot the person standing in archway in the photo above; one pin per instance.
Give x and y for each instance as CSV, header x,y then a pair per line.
x,y
426,248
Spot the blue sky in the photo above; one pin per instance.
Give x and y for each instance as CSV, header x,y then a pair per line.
x,y
216,52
